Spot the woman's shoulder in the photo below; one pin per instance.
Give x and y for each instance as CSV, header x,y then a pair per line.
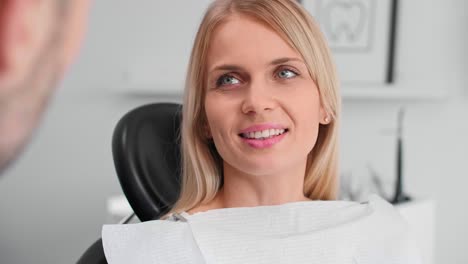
x,y
381,219
384,213
385,234
379,205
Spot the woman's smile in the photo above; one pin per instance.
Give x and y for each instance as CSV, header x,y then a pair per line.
x,y
263,135
265,138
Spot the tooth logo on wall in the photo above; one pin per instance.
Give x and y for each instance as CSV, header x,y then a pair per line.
x,y
346,23
361,35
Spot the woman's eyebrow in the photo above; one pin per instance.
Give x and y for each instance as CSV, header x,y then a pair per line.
x,y
226,67
232,67
284,60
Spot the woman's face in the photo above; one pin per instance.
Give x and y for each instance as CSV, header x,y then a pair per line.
x,y
263,108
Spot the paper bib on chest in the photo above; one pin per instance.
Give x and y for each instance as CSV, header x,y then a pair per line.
x,y
322,232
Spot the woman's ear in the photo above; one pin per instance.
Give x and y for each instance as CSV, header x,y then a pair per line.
x,y
325,118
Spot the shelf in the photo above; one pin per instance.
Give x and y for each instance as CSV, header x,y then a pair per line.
x,y
392,93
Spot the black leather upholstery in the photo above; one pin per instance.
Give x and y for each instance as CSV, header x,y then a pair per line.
x,y
146,151
94,254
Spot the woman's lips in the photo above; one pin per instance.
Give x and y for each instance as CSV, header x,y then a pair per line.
x,y
261,127
264,143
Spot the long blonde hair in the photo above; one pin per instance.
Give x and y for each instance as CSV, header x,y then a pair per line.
x,y
201,165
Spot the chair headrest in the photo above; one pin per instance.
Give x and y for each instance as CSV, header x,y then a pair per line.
x,y
146,151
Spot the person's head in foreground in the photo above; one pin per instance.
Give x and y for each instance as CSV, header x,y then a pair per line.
x,y
38,39
261,86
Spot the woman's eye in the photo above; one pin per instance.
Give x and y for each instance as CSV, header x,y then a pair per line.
x,y
227,80
286,74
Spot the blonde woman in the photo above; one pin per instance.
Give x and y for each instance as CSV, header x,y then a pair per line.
x,y
262,89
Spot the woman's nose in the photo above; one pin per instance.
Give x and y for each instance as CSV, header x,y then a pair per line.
x,y
258,98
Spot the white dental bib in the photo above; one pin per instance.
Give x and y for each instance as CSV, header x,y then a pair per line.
x,y
322,232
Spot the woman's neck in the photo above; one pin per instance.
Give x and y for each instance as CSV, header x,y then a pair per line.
x,y
243,190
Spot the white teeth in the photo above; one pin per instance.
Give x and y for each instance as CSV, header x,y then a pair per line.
x,y
267,133
258,134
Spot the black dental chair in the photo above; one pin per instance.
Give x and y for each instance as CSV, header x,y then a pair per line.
x,y
146,152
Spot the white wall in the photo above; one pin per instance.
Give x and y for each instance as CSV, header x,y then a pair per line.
x,y
52,202
432,54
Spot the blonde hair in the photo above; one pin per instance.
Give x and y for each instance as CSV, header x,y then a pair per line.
x,y
201,164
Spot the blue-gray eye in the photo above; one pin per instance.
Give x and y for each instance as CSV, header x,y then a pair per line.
x,y
286,74
226,80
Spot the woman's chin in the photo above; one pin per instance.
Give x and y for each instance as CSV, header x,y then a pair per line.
x,y
263,167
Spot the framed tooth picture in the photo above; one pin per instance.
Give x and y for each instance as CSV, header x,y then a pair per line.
x,y
361,35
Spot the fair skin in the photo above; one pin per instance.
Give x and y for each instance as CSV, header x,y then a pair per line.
x,y
255,77
38,41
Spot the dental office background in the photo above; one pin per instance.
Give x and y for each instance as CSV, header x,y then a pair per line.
x,y
53,201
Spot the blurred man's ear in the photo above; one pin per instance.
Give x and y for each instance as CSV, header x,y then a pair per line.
x,y
24,25
77,16
27,25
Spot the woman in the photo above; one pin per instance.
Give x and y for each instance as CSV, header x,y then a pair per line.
x,y
260,154
247,43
